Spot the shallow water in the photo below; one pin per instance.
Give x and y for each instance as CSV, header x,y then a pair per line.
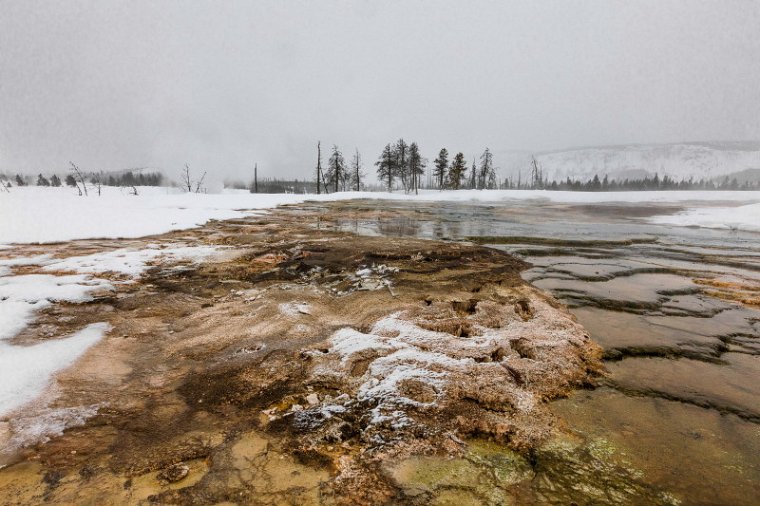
x,y
677,311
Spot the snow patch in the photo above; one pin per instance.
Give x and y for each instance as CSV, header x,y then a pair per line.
x,y
127,261
295,309
22,296
46,424
733,218
25,371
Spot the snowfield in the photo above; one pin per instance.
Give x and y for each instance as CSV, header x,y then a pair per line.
x,y
41,215
733,218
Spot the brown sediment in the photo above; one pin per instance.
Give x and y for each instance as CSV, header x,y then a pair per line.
x,y
226,381
735,291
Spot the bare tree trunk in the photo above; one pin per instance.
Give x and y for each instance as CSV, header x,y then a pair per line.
x,y
199,183
358,163
186,179
81,178
256,178
319,167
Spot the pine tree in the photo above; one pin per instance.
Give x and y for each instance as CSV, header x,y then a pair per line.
x,y
20,181
70,180
55,181
402,163
473,176
416,166
457,171
441,167
42,181
487,172
336,170
386,166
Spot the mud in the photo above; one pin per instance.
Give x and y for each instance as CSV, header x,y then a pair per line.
x,y
270,375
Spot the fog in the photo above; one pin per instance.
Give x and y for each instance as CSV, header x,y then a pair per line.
x,y
223,85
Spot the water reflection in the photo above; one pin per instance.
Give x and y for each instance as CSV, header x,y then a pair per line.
x,y
679,318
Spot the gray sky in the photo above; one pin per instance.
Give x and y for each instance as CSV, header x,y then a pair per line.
x,y
223,84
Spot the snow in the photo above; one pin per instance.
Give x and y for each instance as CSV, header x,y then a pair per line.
x,y
128,261
735,218
295,309
22,296
348,341
45,423
25,371
59,214
678,160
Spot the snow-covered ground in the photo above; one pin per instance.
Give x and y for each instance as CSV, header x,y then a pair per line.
x,y
734,218
26,370
34,214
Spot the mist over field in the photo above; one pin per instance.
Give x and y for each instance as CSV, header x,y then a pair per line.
x,y
114,85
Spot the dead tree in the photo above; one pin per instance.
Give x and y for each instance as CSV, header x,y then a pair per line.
x,y
186,181
256,178
199,183
98,182
4,186
319,167
78,174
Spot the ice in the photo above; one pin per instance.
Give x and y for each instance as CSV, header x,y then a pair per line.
x,y
25,371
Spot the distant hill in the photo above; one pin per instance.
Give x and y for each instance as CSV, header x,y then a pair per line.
x,y
708,160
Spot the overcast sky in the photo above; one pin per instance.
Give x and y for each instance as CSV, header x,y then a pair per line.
x,y
220,85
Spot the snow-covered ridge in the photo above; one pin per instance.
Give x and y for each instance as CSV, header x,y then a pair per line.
x,y
679,161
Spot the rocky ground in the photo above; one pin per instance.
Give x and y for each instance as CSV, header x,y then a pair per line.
x,y
302,365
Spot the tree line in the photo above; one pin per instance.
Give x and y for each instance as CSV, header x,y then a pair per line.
x,y
401,164
126,179
647,183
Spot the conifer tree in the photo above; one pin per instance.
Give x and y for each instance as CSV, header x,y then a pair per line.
x,y
487,173
441,167
42,181
336,170
386,166
457,171
55,181
402,163
416,166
